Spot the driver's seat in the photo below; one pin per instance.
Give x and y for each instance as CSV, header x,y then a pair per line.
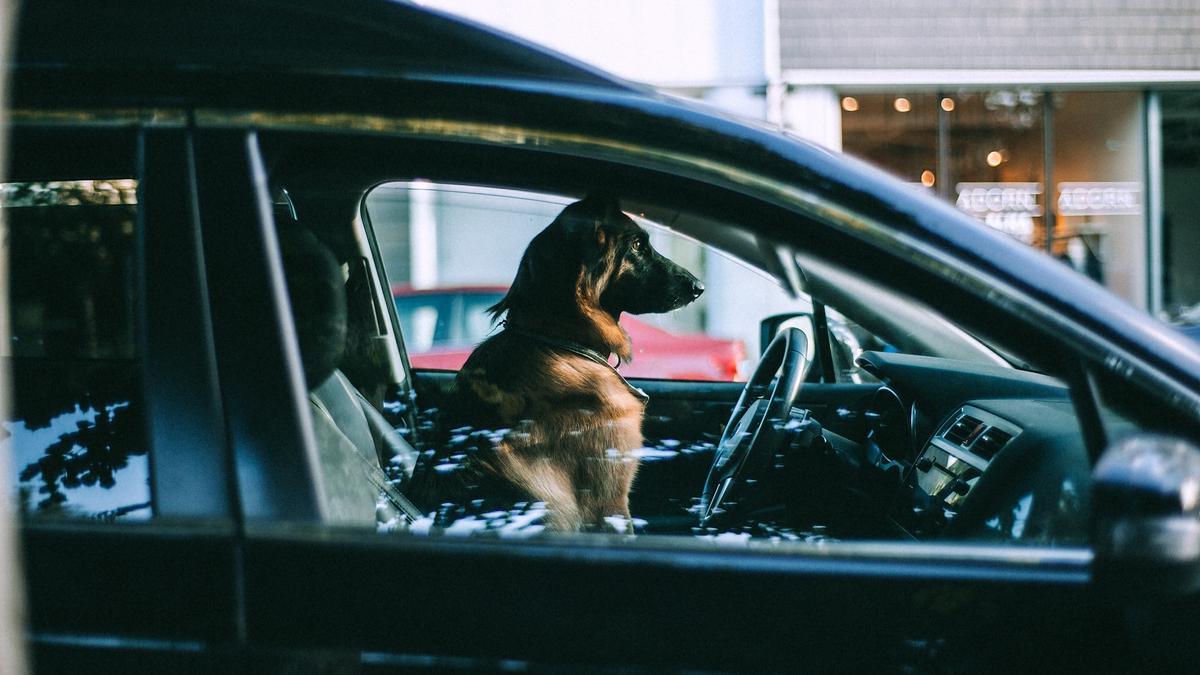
x,y
353,440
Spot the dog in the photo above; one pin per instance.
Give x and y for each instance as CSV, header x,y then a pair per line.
x,y
560,422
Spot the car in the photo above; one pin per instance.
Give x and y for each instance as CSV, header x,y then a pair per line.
x,y
211,441
460,322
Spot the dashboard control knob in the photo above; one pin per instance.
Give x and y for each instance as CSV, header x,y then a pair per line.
x,y
924,464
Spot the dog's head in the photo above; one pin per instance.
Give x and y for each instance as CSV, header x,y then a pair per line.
x,y
594,262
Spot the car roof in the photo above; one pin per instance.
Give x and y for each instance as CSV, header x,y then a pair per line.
x,y
362,38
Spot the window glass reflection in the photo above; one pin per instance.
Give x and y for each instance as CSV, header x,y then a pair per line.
x,y
77,433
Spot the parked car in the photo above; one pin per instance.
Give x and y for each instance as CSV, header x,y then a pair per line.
x,y
441,326
208,480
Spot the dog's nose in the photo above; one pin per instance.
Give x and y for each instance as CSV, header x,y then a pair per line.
x,y
697,288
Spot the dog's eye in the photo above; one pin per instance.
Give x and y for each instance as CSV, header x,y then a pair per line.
x,y
636,245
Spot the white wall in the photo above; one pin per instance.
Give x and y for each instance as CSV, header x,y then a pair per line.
x,y
660,42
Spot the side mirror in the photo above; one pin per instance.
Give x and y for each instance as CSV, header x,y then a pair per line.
x,y
1146,517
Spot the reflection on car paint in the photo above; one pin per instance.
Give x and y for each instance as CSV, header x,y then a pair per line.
x,y
77,465
1012,523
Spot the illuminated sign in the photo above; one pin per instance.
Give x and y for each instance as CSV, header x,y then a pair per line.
x,y
980,199
1007,207
1099,199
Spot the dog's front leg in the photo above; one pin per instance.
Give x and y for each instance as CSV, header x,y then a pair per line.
x,y
604,492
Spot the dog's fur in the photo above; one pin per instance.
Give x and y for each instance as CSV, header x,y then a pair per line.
x,y
565,425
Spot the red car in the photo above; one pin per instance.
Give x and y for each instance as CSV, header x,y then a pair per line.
x,y
443,325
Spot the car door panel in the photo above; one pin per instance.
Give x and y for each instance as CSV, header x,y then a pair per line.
x,y
96,590
561,603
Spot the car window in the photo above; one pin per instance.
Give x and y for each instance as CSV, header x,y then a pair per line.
x,y
76,430
522,426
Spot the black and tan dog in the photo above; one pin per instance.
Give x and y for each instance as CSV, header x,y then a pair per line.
x,y
565,422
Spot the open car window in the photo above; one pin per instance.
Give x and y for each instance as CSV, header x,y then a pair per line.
x,y
906,383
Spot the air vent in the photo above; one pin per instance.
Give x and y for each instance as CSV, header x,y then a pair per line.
x,y
991,442
964,430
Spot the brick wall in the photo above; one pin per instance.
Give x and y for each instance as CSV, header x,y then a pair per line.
x,y
990,34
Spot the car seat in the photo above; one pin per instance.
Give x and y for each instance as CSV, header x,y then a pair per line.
x,y
353,439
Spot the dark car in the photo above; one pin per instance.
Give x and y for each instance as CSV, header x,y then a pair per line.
x,y
211,441
460,322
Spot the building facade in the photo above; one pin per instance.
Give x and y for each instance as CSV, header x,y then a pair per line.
x,y
1071,126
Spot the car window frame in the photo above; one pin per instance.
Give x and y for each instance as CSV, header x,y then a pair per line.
x,y
495,141
320,126
282,554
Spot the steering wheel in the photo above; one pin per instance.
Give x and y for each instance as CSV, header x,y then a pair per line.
x,y
756,428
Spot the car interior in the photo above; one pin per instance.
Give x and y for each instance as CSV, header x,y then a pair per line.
x,y
950,437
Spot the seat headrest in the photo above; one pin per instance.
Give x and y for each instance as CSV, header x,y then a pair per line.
x,y
318,297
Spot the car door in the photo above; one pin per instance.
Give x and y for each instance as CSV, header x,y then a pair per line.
x,y
122,475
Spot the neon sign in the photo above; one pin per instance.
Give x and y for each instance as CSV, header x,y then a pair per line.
x,y
1099,199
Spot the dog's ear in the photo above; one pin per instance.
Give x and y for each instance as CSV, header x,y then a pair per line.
x,y
594,213
569,249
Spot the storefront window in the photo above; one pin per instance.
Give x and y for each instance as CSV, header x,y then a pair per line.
x,y
897,132
1068,180
997,160
1098,161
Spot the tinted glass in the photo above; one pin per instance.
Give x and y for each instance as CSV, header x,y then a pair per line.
x,y
76,433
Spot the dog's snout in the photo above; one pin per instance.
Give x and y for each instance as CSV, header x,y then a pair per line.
x,y
697,288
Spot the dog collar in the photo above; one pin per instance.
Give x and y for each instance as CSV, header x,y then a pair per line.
x,y
580,350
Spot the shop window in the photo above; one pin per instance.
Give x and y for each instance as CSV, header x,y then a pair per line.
x,y
996,160
1067,180
1097,199
897,132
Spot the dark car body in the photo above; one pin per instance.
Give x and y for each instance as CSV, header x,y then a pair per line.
x,y
235,571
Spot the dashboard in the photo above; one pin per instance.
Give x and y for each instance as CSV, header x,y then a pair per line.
x,y
985,452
